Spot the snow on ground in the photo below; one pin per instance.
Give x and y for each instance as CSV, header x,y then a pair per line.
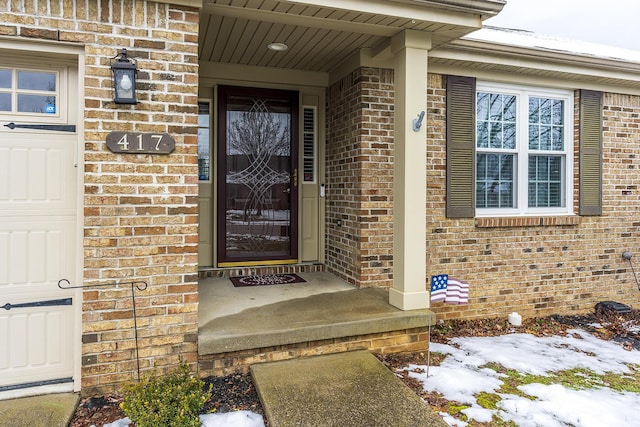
x,y
461,375
227,419
232,419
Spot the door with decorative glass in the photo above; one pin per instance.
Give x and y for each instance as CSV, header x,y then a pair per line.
x,y
257,185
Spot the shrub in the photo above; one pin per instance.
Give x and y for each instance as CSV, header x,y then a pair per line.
x,y
172,400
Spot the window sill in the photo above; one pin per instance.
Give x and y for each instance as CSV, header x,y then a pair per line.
x,y
527,221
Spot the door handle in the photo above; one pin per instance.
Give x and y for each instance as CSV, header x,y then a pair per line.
x,y
295,177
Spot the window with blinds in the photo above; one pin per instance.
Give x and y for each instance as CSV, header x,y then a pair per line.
x,y
524,147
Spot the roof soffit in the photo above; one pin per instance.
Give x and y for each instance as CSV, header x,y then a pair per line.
x,y
443,11
322,33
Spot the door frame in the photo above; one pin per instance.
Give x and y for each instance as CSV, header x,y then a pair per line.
x,y
293,97
71,56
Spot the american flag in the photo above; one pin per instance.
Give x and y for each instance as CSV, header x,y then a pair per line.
x,y
439,287
457,291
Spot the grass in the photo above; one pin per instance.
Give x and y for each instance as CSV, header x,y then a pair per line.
x,y
576,379
613,326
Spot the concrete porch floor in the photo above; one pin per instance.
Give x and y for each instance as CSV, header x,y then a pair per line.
x,y
324,307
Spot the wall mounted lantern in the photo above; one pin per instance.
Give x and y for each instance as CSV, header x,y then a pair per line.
x,y
124,79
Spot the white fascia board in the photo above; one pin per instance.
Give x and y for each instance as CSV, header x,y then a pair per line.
x,y
212,71
191,3
550,43
466,51
486,8
428,11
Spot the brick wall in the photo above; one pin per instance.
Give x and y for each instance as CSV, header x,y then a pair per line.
x,y
359,240
140,211
405,340
548,265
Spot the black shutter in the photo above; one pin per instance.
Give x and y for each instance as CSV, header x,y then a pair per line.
x,y
590,129
461,162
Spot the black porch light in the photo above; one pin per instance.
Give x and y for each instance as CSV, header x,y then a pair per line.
x,y
124,79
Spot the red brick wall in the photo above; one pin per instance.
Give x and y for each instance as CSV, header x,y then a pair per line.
x,y
545,266
360,178
140,211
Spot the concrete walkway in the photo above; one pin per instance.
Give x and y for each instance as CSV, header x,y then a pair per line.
x,y
341,390
50,410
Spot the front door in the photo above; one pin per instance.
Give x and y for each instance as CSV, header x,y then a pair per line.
x,y
257,187
38,221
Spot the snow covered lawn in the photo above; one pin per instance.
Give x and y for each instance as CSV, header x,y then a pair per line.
x,y
574,380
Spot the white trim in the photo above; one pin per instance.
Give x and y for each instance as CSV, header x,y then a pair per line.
x,y
411,300
527,66
212,73
44,48
190,3
461,12
77,113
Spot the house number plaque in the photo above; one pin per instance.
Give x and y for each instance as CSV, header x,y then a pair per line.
x,y
140,143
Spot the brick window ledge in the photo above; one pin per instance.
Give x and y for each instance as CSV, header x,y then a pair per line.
x,y
527,221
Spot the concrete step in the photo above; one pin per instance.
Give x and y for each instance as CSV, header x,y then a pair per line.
x,y
50,410
312,318
341,390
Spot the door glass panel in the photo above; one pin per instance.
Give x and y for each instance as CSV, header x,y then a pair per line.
x,y
258,177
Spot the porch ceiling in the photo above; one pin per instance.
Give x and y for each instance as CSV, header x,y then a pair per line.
x,y
322,34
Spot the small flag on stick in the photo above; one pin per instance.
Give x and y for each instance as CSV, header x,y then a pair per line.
x,y
457,291
439,287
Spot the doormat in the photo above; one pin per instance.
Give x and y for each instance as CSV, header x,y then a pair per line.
x,y
265,279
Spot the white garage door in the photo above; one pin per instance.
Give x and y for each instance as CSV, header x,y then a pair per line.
x,y
37,234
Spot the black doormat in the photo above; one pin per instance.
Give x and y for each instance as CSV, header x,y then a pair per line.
x,y
265,279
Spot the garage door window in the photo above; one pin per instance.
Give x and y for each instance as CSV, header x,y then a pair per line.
x,y
29,91
5,90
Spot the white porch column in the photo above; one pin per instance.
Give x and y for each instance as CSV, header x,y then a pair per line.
x,y
410,50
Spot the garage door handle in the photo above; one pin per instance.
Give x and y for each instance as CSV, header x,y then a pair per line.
x,y
49,303
59,128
